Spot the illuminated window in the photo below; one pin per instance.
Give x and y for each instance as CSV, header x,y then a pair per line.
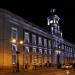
x,y
45,51
27,49
26,39
62,46
45,42
49,51
14,48
48,21
61,34
14,33
34,50
68,48
35,59
49,43
52,30
33,39
39,40
13,59
40,51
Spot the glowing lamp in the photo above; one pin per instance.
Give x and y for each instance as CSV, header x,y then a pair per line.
x,y
13,41
21,42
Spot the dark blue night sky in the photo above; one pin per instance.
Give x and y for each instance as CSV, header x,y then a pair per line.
x,y
37,12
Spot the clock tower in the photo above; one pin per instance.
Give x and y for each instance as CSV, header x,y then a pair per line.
x,y
56,34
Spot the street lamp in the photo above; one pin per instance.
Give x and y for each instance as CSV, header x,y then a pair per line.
x,y
58,58
14,41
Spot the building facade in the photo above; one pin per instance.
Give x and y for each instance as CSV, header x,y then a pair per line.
x,y
25,46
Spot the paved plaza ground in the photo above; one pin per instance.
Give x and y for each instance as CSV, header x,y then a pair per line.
x,y
42,72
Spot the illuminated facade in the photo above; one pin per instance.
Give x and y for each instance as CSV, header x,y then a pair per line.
x,y
39,48
62,51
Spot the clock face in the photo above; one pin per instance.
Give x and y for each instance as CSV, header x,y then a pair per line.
x,y
51,21
54,21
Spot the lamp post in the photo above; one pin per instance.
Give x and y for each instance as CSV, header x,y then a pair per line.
x,y
58,58
17,64
13,41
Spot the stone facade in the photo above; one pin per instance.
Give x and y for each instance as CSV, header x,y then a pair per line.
x,y
27,60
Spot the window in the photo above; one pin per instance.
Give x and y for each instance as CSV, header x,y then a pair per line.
x,y
49,43
35,59
71,55
33,39
71,49
68,54
39,40
62,46
49,51
45,42
54,43
65,48
26,39
14,47
61,34
34,50
61,52
14,33
27,49
13,59
40,51
48,21
45,51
